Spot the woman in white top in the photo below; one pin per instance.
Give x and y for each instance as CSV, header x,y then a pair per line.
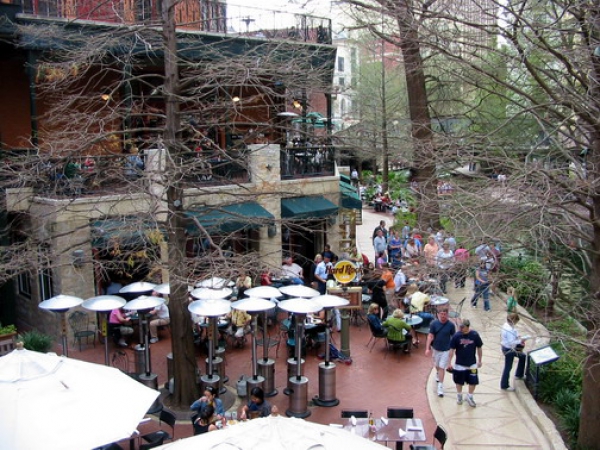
x,y
512,346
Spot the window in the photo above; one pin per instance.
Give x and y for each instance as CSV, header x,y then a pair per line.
x,y
24,280
46,285
341,81
343,107
340,63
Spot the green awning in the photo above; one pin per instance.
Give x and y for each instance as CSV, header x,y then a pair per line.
x,y
229,219
315,207
350,198
127,231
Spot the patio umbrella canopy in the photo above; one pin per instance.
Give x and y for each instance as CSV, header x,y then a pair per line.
x,y
276,433
52,402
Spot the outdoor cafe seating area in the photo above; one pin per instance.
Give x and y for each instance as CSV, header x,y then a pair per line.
x,y
238,363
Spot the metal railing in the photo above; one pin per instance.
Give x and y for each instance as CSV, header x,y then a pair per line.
x,y
303,162
204,15
111,174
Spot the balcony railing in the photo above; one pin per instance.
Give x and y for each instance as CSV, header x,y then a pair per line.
x,y
106,175
197,15
303,162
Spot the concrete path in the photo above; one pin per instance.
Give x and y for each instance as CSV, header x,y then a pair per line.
x,y
501,420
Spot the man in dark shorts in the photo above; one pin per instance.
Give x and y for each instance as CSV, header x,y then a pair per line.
x,y
466,344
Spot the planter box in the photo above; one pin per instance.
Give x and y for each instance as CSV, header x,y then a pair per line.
x,y
7,343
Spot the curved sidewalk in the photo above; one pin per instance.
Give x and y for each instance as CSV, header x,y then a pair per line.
x,y
501,420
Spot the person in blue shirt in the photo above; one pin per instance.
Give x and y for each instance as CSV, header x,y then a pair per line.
x,y
466,344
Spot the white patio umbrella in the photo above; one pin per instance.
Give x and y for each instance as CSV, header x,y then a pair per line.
x,y
298,290
276,433
53,402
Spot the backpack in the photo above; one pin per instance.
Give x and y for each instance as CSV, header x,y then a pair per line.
x,y
365,260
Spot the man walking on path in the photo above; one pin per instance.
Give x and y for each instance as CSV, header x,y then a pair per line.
x,y
441,331
466,344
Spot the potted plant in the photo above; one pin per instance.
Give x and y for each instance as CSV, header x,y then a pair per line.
x,y
36,341
7,338
7,330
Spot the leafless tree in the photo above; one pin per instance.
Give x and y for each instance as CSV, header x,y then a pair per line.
x,y
520,82
111,91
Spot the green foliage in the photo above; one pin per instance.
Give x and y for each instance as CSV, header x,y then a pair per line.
x,y
401,217
560,385
7,329
527,276
36,341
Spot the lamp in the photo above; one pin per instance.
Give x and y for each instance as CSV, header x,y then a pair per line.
x,y
235,99
269,167
297,104
77,257
272,230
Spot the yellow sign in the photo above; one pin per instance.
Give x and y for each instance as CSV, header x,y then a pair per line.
x,y
344,272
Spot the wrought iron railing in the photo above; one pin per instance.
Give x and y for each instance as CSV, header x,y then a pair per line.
x,y
114,174
311,161
199,15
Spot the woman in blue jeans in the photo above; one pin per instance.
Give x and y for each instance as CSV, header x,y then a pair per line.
x,y
482,287
512,346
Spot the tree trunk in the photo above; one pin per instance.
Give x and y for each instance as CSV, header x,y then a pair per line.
x,y
184,356
424,151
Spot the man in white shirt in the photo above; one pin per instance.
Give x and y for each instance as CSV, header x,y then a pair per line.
x,y
399,280
161,318
445,263
292,270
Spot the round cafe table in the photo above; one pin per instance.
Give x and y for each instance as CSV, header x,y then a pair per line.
x,y
413,320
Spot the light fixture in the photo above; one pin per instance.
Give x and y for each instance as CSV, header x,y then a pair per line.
x,y
269,167
235,99
105,97
77,257
297,104
272,230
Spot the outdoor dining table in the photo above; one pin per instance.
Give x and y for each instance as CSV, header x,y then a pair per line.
x,y
390,432
414,320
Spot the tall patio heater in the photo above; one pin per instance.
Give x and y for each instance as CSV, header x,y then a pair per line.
x,y
143,305
266,365
218,360
253,306
326,395
300,307
303,292
60,304
132,291
212,309
105,304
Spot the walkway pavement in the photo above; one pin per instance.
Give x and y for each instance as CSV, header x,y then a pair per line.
x,y
501,420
